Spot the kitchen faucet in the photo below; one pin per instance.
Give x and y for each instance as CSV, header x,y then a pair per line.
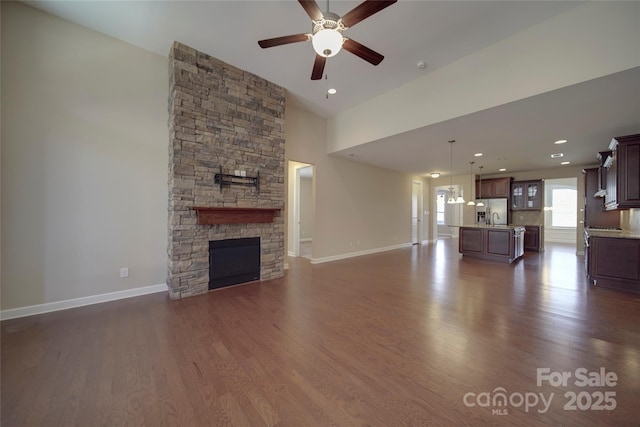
x,y
492,220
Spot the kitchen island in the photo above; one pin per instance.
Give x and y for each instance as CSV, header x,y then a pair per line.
x,y
493,242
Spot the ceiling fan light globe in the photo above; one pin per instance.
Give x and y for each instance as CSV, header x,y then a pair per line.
x,y
327,42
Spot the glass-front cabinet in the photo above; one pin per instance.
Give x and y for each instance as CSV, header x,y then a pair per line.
x,y
526,195
533,195
517,195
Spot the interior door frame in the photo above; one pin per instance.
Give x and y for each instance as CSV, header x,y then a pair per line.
x,y
293,226
417,187
296,214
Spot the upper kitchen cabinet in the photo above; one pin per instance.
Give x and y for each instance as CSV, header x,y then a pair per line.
x,y
623,173
493,188
594,213
526,195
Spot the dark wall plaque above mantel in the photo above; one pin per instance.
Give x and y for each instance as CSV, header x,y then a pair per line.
x,y
216,215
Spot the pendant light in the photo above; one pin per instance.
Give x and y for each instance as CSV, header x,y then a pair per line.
x,y
471,202
451,199
480,204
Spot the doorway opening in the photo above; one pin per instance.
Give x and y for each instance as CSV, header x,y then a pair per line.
x,y
448,217
561,210
301,210
416,209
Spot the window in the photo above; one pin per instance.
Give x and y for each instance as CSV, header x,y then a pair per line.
x,y
563,211
440,203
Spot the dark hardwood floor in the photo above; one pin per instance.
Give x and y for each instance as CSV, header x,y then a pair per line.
x,y
411,337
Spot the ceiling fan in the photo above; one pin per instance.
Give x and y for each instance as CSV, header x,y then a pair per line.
x,y
326,35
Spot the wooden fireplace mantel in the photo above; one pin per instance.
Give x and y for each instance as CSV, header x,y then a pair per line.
x,y
213,215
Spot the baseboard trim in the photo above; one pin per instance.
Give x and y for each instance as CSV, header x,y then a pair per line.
x,y
306,239
48,307
291,253
359,253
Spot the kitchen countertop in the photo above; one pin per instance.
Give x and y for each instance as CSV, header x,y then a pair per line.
x,y
504,226
624,234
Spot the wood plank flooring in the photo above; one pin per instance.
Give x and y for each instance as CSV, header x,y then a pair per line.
x,y
401,338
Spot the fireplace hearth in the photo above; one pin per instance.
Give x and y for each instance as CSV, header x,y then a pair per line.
x,y
233,261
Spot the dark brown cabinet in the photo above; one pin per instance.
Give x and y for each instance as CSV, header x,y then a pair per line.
x,y
595,214
493,188
526,195
495,243
623,174
614,262
471,240
532,237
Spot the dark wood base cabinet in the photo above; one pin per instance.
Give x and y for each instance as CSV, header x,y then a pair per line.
x,y
494,243
614,263
532,238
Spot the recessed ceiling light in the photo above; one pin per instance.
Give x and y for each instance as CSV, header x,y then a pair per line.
x,y
478,154
557,155
332,91
435,175
564,163
501,170
560,141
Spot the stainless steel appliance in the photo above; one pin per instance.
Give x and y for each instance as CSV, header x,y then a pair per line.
x,y
493,212
518,242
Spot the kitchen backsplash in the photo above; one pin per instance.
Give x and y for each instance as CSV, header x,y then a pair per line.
x,y
527,217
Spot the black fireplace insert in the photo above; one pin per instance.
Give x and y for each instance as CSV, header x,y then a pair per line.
x,y
233,261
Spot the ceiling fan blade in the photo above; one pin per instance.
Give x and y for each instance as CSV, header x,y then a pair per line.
x,y
312,9
362,51
318,67
278,41
365,10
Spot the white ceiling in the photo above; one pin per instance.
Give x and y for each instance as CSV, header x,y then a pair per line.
x,y
519,136
436,32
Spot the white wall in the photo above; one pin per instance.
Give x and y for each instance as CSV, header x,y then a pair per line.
x,y
84,161
588,41
357,207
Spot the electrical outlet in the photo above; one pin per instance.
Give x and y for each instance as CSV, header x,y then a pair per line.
x,y
124,272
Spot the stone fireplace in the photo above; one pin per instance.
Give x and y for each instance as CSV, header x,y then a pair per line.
x,y
226,156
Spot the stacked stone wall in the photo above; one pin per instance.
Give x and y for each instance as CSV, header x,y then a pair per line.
x,y
221,117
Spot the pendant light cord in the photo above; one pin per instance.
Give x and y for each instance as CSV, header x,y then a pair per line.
x,y
451,167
